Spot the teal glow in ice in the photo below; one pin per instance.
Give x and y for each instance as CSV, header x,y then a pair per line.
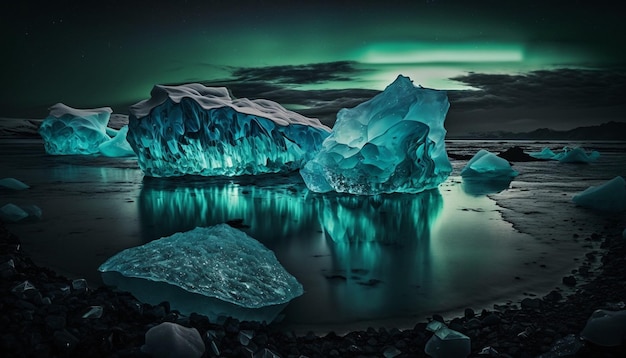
x,y
117,146
567,155
198,130
68,131
485,164
391,143
218,261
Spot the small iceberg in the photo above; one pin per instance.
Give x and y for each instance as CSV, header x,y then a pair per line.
x,y
607,197
567,155
487,165
217,271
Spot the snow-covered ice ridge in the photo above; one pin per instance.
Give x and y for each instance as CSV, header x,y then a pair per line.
x,y
199,130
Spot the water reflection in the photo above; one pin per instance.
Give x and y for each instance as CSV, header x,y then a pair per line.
x,y
268,212
339,247
485,186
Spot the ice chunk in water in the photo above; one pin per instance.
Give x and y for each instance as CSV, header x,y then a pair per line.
x,y
11,212
218,261
485,164
567,155
68,130
394,142
12,183
605,328
609,196
173,340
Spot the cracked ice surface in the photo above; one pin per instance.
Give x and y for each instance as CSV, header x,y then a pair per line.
x,y
217,261
198,130
391,143
68,131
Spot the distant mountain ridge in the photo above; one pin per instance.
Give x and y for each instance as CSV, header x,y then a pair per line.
x,y
606,131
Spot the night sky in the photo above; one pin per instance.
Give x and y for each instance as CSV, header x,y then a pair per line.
x,y
507,65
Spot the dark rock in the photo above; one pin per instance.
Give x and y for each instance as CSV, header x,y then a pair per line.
x,y
490,320
531,303
569,281
517,154
65,341
469,313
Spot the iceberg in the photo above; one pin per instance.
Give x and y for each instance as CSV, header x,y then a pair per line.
x,y
485,164
608,197
198,130
567,155
392,143
117,146
68,131
13,213
219,262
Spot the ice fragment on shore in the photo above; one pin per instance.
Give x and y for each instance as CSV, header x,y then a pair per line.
x,y
67,130
605,328
567,155
448,343
485,164
218,261
173,340
395,142
198,130
12,183
609,196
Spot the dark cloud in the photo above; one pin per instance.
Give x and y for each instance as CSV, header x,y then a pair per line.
x,y
545,88
278,83
299,74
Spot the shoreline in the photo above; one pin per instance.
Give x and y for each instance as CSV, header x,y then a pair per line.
x,y
47,321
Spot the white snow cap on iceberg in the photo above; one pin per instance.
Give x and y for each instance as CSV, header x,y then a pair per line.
x,y
218,97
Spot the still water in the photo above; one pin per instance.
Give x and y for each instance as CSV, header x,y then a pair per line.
x,y
386,260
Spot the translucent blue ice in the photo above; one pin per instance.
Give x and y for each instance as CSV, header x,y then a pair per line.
x,y
218,261
391,143
609,196
117,146
71,131
198,130
567,155
485,164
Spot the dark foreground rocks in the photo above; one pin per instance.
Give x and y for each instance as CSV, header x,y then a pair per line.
x,y
47,315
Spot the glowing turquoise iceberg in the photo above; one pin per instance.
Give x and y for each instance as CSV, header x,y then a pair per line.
x,y
391,143
198,130
68,131
217,262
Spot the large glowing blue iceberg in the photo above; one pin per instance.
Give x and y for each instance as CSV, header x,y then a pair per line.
x,y
391,143
608,197
485,164
217,262
567,155
68,130
198,130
